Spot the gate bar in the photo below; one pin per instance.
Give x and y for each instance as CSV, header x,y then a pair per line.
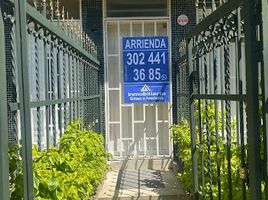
x,y
4,166
251,50
24,98
192,125
240,104
265,87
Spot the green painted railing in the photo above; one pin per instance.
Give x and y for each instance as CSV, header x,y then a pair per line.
x,y
224,81
49,75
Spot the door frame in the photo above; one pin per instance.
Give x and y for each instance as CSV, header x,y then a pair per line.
x,y
107,20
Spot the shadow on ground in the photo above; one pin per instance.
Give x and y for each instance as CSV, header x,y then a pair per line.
x,y
138,179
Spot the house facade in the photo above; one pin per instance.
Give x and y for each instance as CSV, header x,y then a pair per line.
x,y
135,129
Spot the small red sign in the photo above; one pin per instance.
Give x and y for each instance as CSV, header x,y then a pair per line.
x,y
182,20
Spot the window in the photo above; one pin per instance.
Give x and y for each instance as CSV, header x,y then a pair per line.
x,y
136,8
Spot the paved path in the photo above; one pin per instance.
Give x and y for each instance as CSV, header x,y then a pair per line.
x,y
147,179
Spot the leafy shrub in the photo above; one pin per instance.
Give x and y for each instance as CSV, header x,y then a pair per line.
x,y
73,170
181,137
15,172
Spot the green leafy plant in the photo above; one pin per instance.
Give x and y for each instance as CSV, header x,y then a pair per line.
x,y
15,172
209,163
73,170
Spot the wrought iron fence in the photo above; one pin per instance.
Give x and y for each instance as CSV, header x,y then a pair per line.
x,y
49,76
227,89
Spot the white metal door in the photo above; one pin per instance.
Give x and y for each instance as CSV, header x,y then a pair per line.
x,y
133,129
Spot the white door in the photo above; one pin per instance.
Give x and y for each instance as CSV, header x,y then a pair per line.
x,y
133,129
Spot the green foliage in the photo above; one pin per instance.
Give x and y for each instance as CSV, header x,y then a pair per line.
x,y
15,172
214,162
73,170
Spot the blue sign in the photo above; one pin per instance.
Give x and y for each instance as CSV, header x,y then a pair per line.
x,y
146,69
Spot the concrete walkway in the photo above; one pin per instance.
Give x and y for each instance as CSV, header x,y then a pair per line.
x,y
142,179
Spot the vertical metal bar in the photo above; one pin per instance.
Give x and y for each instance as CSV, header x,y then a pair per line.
x,y
24,96
156,108
237,77
37,81
59,85
237,57
83,89
14,66
215,64
101,110
222,91
215,74
53,89
78,82
177,93
201,147
73,86
49,91
207,122
251,49
207,126
70,83
64,84
201,139
241,106
77,85
192,124
228,114
46,89
4,165
88,73
44,12
265,87
211,73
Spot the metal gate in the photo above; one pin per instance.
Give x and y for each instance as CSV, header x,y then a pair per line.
x,y
49,76
133,129
226,82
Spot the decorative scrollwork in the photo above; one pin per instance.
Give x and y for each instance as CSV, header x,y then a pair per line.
x,y
217,34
